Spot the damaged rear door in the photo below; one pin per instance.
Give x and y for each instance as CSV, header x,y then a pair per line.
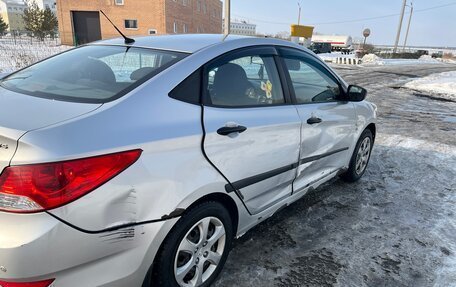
x,y
252,130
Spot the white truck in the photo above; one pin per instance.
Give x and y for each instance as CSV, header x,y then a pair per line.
x,y
338,43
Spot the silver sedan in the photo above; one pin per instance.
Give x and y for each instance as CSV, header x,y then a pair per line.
x,y
137,164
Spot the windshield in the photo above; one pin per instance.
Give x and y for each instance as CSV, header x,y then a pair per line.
x,y
92,74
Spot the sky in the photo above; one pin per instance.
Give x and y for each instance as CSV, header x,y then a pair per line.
x,y
430,27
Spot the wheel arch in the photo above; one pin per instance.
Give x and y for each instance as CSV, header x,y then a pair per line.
x,y
373,130
226,201
218,197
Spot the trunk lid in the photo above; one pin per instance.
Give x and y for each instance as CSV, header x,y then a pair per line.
x,y
21,113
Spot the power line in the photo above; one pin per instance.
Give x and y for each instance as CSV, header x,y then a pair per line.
x,y
347,21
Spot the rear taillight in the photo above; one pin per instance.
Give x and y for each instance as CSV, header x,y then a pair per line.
x,y
38,187
44,283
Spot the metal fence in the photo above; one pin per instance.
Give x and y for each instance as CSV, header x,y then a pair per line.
x,y
19,52
29,40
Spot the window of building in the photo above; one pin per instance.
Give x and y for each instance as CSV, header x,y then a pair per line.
x,y
175,27
131,24
185,2
185,28
119,2
204,8
152,31
198,5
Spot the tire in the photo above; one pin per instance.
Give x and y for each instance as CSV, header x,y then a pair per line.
x,y
354,172
185,235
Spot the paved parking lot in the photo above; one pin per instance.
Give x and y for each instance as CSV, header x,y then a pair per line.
x,y
395,227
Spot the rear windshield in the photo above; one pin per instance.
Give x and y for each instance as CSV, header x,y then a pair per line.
x,y
92,74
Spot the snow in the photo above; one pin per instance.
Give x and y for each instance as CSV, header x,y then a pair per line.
x,y
374,60
371,59
410,143
330,57
448,61
14,57
441,84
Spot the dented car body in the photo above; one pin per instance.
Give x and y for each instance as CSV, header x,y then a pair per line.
x,y
172,147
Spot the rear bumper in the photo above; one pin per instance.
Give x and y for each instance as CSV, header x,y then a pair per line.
x,y
35,247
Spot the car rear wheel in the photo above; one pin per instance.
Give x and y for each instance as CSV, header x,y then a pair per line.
x,y
360,157
196,249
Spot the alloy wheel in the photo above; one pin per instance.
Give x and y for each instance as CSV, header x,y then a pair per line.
x,y
200,252
362,156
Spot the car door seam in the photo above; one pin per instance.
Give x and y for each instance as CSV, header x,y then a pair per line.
x,y
235,186
236,191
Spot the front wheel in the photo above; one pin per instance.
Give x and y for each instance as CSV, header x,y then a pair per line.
x,y
196,249
360,158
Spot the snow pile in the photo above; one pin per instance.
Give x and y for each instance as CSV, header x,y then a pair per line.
x,y
372,59
441,84
428,58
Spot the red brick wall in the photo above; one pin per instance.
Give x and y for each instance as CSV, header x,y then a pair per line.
x,y
208,21
149,13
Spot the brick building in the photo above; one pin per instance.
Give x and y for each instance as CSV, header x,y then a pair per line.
x,y
13,10
80,22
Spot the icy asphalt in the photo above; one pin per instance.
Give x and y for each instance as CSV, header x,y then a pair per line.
x,y
395,227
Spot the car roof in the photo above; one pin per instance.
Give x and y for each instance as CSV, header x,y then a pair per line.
x,y
187,43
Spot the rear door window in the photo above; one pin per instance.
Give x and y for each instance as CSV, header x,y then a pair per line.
x,y
93,74
245,82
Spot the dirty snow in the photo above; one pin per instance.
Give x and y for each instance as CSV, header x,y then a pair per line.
x,y
441,84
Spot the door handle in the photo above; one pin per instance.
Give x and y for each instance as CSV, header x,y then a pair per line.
x,y
224,131
314,120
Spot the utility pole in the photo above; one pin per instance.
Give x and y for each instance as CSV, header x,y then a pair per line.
x,y
227,17
299,14
400,26
408,26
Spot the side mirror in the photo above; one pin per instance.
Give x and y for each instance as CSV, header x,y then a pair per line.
x,y
356,93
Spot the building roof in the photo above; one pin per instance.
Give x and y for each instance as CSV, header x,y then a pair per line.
x,y
188,43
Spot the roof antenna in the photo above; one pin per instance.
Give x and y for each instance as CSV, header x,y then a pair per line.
x,y
127,40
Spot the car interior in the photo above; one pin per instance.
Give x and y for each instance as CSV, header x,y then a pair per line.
x,y
246,84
